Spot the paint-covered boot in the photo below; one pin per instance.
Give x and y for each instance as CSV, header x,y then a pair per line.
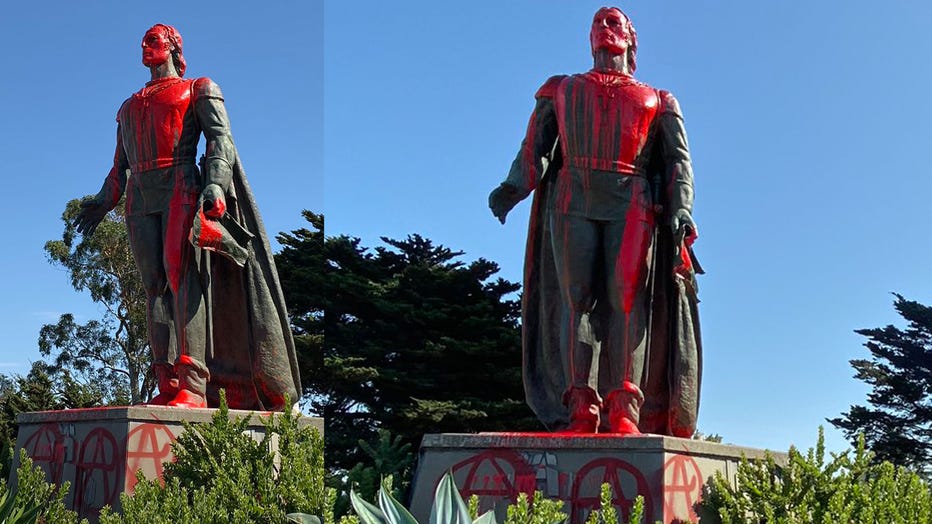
x,y
192,383
585,405
167,383
624,408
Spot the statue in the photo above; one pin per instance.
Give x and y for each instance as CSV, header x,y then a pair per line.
x,y
610,324
216,315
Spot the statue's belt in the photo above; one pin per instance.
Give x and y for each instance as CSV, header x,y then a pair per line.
x,y
601,164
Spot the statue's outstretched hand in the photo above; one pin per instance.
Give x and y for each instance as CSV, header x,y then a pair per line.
x,y
501,200
93,211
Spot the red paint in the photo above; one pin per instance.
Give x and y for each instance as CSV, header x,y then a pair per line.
x,y
46,448
612,31
682,488
143,449
160,43
218,209
211,235
96,473
626,481
156,48
495,475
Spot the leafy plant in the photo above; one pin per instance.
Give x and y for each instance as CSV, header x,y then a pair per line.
x,y
34,499
810,488
222,474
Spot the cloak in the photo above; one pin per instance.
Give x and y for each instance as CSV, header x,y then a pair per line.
x,y
251,353
673,363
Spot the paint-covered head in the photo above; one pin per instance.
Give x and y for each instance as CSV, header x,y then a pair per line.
x,y
161,43
613,31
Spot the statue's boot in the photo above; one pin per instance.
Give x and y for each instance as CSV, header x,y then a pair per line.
x,y
167,382
192,384
624,408
584,404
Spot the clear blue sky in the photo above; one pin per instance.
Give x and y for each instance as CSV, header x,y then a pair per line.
x,y
807,125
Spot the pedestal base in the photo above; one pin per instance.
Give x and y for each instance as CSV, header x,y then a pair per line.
x,y
668,472
100,450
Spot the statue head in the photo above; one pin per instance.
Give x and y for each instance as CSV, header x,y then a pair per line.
x,y
160,43
613,31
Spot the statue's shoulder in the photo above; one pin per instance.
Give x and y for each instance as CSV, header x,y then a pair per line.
x,y
549,89
668,103
204,87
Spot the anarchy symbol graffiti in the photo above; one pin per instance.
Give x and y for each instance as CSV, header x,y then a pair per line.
x,y
96,468
625,480
148,445
682,487
495,475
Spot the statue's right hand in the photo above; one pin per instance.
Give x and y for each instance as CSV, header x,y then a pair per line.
x,y
501,200
92,213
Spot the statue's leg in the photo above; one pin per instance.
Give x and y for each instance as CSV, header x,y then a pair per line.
x,y
188,300
627,262
575,249
145,240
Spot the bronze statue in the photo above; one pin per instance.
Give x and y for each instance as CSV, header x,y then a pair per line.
x,y
610,325
216,315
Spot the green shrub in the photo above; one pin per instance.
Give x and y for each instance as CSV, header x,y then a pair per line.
x,y
809,489
223,475
34,499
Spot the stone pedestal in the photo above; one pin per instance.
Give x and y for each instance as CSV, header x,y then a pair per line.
x,y
668,472
100,450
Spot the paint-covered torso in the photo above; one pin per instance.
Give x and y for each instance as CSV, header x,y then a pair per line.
x,y
605,121
605,125
158,126
159,132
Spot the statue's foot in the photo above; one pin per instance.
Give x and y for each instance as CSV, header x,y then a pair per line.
x,y
188,399
163,398
623,426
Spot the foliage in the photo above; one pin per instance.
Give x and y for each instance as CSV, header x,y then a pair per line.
x,y
538,510
222,474
35,499
389,458
416,341
607,514
812,489
449,508
897,424
111,354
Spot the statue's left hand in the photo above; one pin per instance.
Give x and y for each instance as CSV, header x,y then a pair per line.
x,y
213,202
684,234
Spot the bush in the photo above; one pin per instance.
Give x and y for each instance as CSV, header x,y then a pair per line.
x,y
223,475
810,489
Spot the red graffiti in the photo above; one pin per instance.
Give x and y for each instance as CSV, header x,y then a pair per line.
x,y
46,447
626,481
495,475
96,469
147,447
682,490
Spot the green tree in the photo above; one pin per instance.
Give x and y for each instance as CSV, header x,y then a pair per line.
x,y
112,352
414,340
897,423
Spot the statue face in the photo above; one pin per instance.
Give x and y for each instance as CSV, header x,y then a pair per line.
x,y
156,49
609,31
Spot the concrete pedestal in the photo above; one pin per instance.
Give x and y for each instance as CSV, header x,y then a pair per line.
x,y
100,450
668,472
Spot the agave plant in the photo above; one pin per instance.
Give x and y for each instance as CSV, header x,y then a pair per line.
x,y
12,514
448,508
